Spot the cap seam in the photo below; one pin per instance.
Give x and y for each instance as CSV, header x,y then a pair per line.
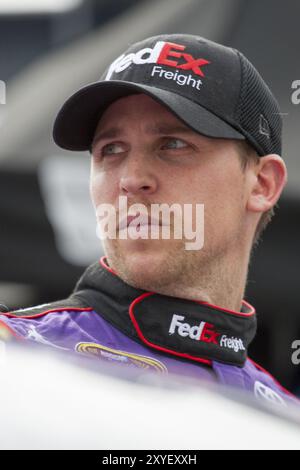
x,y
238,115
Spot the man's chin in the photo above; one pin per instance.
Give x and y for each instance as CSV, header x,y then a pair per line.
x,y
141,269
144,268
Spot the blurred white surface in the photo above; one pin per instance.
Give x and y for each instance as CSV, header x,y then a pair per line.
x,y
32,6
48,403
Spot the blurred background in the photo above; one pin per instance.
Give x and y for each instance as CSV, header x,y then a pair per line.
x,y
49,49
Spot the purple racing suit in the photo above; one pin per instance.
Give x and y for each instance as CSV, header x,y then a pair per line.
x,y
112,321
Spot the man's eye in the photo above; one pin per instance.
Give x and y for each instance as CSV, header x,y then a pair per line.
x,y
112,149
175,144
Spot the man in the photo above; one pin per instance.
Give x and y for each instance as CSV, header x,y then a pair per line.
x,y
176,119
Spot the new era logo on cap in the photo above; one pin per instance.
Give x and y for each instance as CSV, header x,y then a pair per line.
x,y
264,128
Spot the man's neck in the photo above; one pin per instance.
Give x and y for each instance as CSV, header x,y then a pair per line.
x,y
222,285
220,282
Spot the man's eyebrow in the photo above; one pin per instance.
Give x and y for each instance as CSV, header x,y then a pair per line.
x,y
167,129
114,132
110,133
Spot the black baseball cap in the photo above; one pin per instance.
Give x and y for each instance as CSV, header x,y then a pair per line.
x,y
212,88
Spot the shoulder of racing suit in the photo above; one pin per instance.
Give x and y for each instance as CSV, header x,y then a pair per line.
x,y
72,302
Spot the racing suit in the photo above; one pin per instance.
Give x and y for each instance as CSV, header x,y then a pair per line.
x,y
115,322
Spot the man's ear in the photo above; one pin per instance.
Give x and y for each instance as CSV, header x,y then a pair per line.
x,y
267,183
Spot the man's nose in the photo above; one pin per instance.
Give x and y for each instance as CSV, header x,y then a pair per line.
x,y
138,176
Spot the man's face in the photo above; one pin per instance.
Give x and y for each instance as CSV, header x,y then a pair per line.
x,y
142,151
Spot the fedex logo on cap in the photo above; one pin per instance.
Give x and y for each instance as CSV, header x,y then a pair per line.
x,y
165,53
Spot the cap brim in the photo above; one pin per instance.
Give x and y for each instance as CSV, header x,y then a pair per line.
x,y
77,120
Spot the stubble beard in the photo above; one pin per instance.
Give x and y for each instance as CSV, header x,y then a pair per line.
x,y
172,270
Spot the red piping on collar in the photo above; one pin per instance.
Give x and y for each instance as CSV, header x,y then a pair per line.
x,y
46,312
233,312
103,263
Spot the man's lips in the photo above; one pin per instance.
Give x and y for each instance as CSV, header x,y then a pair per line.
x,y
138,220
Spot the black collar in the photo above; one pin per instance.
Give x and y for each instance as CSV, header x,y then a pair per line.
x,y
192,330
